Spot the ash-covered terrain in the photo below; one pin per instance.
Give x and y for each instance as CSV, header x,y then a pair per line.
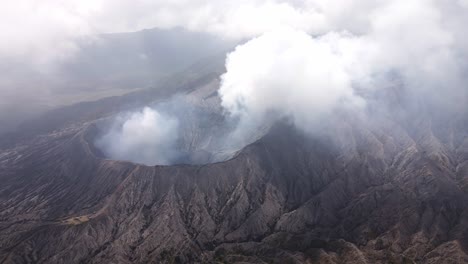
x,y
378,188
265,131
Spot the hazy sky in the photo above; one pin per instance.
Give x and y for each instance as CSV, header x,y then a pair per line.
x,y
42,32
45,31
425,40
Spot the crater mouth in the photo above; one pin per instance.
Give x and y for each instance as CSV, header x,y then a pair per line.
x,y
178,131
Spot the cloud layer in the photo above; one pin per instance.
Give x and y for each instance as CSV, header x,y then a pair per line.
x,y
48,29
304,60
289,73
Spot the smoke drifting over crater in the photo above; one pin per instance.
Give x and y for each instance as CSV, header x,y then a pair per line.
x,y
289,74
147,137
305,75
184,129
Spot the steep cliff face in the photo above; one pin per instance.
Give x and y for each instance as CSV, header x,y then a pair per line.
x,y
392,191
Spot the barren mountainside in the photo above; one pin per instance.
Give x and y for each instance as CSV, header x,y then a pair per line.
x,y
395,191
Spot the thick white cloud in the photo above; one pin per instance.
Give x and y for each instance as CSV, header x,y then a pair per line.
x,y
147,137
288,73
306,58
46,30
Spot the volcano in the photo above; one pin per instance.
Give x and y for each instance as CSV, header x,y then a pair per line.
x,y
391,192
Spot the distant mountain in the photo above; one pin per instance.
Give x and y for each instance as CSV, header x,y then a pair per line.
x,y
139,59
104,65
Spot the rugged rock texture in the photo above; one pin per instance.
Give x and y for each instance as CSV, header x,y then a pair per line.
x,y
392,191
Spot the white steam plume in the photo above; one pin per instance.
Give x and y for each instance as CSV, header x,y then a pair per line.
x,y
147,137
305,73
290,73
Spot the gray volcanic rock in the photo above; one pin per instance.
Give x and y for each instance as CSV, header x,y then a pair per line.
x,y
389,190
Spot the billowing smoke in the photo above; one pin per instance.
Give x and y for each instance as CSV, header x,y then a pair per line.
x,y
289,74
147,137
306,74
178,130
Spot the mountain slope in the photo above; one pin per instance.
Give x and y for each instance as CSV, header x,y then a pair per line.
x,y
394,191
